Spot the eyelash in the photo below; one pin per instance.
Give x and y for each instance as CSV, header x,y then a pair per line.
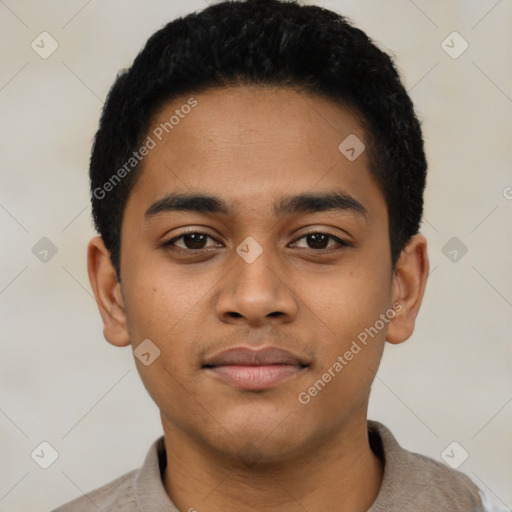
x,y
342,244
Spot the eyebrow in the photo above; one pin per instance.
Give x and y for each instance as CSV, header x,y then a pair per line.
x,y
301,203
199,203
322,202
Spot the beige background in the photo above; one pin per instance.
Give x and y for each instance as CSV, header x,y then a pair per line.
x,y
62,383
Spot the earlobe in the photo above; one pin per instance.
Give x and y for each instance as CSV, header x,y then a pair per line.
x,y
107,290
409,282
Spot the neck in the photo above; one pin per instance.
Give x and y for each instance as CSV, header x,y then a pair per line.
x,y
339,473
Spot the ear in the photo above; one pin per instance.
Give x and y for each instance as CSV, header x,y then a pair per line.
x,y
107,290
409,282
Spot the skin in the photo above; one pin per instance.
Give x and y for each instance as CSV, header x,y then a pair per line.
x,y
230,449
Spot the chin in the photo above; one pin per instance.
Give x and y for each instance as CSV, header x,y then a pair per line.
x,y
257,447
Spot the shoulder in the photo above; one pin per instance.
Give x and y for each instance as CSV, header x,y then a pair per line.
x,y
141,489
115,496
414,481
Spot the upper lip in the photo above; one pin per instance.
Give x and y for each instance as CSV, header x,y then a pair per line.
x,y
254,357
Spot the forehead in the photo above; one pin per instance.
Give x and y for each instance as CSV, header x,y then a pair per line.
x,y
250,144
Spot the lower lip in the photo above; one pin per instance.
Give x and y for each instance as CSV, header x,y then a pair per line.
x,y
255,377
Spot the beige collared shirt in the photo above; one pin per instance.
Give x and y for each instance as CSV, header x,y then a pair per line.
x,y
411,482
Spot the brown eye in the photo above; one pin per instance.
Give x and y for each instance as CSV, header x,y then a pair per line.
x,y
320,241
194,240
190,241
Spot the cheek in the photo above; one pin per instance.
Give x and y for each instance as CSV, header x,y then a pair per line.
x,y
347,311
166,307
158,295
169,378
349,301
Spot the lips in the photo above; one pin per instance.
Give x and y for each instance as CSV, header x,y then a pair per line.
x,y
251,369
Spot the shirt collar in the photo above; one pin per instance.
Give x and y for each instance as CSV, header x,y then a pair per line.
x,y
151,496
149,489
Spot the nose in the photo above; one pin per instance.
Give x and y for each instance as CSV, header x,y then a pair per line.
x,y
257,293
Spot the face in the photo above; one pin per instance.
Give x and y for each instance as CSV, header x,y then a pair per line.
x,y
249,229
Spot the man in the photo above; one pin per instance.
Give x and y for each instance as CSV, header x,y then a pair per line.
x,y
257,183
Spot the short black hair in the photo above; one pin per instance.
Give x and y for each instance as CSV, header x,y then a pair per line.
x,y
268,43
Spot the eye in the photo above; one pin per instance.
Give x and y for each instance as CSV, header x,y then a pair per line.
x,y
193,240
319,241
